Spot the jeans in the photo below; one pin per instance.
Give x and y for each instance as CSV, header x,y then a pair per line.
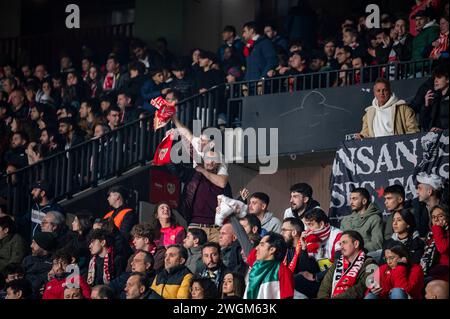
x,y
396,293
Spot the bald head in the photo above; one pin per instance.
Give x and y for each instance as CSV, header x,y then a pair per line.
x,y
437,289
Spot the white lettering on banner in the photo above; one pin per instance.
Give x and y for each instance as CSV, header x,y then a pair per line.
x,y
373,19
385,159
365,160
379,163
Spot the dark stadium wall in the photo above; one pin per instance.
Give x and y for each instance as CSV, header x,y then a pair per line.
x,y
9,18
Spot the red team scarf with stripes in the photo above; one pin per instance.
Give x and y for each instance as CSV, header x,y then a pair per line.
x,y
108,267
442,46
346,273
314,238
249,47
164,112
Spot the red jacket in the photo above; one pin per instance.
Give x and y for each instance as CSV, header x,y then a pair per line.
x,y
54,289
411,281
441,241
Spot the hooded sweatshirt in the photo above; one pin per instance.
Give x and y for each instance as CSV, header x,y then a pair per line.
x,y
271,223
369,225
395,117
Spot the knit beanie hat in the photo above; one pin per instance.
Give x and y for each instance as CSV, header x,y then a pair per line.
x,y
46,241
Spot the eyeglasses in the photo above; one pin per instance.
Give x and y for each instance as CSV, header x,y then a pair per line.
x,y
285,230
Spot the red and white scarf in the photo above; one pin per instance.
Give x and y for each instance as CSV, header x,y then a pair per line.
x,y
110,82
108,267
442,46
293,264
346,273
314,238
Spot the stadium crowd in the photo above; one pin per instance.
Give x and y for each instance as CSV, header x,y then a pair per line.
x,y
232,248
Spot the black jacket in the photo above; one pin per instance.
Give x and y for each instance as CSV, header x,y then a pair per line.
x,y
413,243
36,271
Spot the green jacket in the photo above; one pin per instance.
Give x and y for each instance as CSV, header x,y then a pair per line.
x,y
355,292
426,36
369,225
388,231
12,250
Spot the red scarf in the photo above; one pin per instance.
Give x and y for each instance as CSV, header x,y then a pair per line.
x,y
293,264
109,82
314,238
249,47
108,267
345,274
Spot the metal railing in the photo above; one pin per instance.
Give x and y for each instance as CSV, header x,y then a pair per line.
x,y
84,165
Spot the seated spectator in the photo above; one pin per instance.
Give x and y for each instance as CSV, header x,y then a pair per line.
x,y
269,278
19,289
81,228
322,239
88,116
440,46
436,289
162,49
398,278
394,200
303,266
259,53
209,76
427,32
39,263
194,241
86,63
75,91
123,217
105,264
181,83
429,194
114,78
44,202
387,115
153,88
70,132
94,82
62,274
75,293
233,286
434,261
231,40
404,226
113,117
402,42
16,153
329,48
102,292
128,111
137,286
13,271
343,55
55,222
384,46
350,38
349,284
144,55
213,267
366,219
50,139
434,111
143,239
319,62
279,42
258,206
141,262
301,201
101,129
252,226
203,288
167,231
12,246
173,281
231,249
18,105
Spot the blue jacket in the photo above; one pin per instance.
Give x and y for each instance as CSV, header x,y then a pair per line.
x,y
238,47
261,59
149,91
